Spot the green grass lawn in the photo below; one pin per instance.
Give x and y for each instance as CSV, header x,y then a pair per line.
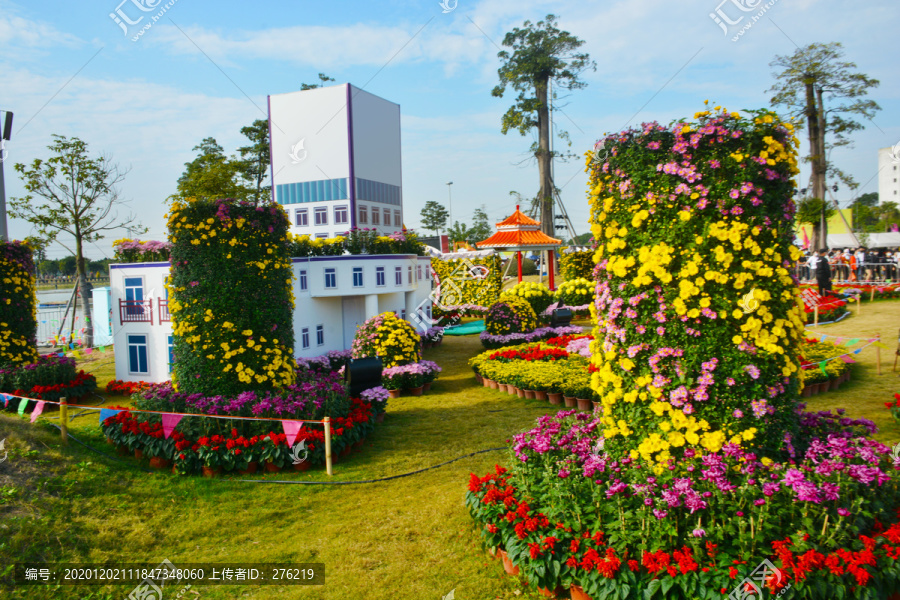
x,y
405,538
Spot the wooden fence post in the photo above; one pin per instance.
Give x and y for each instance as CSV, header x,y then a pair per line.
x,y
816,311
878,353
63,421
328,446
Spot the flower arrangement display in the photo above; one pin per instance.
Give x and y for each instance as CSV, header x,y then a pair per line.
x,y
576,265
700,463
864,292
510,315
49,377
333,360
138,251
388,337
472,282
432,337
227,255
831,308
489,340
409,376
126,388
18,322
537,295
575,292
303,246
817,378
377,397
538,366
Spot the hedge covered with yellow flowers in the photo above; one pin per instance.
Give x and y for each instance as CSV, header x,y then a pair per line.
x,y
536,294
388,337
576,265
230,297
468,281
689,222
18,325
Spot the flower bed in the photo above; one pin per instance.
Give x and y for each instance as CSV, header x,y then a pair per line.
x,y
813,353
50,377
537,295
577,292
831,308
138,251
864,292
228,255
411,376
489,340
18,324
432,337
126,388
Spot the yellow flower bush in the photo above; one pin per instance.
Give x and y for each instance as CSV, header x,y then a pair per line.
x,y
231,298
475,281
576,292
390,338
512,314
576,265
18,324
536,294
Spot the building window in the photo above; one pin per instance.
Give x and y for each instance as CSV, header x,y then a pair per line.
x,y
304,337
409,274
340,215
427,272
134,295
398,275
171,352
363,215
403,313
320,335
418,272
387,217
357,277
138,363
301,217
376,216
322,236
303,282
379,276
397,222
322,216
330,279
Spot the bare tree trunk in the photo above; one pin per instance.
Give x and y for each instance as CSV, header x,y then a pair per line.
x,y
815,145
84,290
823,162
545,194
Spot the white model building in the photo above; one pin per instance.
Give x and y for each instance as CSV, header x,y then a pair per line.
x,y
335,160
333,295
889,174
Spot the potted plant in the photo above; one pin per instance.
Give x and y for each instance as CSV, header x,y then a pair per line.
x,y
212,454
160,450
415,381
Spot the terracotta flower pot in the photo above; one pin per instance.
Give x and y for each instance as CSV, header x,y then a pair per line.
x,y
520,392
570,401
252,466
502,387
272,467
578,594
598,407
346,451
492,384
529,394
558,592
479,379
510,389
585,404
110,442
139,454
507,564
357,445
417,391
379,418
807,390
426,387
174,470
836,383
303,466
555,398
122,450
160,463
540,395
487,382
394,393
211,471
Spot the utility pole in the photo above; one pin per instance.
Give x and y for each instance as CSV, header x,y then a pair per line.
x,y
450,202
4,137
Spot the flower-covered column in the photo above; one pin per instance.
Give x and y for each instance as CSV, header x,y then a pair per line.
x,y
18,324
230,297
698,321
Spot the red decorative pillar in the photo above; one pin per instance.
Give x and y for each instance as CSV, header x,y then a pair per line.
x,y
519,260
550,270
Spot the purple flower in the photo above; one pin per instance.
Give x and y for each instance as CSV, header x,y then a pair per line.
x,y
698,533
843,512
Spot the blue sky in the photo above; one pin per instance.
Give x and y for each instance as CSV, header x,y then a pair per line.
x,y
205,68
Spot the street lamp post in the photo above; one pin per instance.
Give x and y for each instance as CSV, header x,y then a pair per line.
x,y
450,202
4,136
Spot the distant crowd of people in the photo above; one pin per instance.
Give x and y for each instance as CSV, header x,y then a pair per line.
x,y
847,265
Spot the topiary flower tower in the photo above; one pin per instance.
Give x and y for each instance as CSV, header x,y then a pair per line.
x,y
701,477
230,297
18,324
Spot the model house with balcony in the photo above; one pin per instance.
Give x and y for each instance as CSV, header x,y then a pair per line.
x,y
333,295
335,157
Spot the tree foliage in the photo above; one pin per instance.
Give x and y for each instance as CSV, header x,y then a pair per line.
x,y
323,79
255,160
434,216
72,195
539,53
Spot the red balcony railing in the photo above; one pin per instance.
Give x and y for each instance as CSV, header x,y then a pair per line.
x,y
136,311
163,307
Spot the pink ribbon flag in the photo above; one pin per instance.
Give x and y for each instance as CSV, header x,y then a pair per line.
x,y
38,409
291,429
169,422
